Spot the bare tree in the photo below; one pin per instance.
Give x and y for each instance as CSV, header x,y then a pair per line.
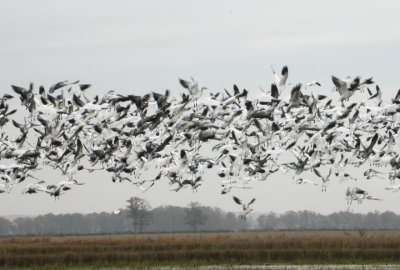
x,y
139,213
194,216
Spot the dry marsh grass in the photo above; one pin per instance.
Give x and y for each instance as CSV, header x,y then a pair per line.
x,y
199,249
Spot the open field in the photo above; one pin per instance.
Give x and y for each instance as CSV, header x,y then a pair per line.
x,y
197,249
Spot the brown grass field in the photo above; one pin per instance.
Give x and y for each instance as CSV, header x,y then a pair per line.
x,y
186,249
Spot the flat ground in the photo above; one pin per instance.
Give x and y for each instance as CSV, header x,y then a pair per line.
x,y
234,250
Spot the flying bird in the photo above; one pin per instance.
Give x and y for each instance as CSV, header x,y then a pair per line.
x,y
245,206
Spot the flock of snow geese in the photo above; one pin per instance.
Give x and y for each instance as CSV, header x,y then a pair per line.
x,y
287,129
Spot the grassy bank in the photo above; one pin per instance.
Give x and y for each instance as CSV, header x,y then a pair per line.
x,y
198,249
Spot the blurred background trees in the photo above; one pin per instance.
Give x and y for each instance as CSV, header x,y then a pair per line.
x,y
194,216
139,213
139,217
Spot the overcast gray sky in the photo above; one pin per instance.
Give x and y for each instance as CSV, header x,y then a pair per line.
x,y
140,46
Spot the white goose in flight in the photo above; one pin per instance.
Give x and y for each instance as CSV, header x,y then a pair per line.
x,y
281,79
245,206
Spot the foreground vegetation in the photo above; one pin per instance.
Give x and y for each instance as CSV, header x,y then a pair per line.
x,y
199,249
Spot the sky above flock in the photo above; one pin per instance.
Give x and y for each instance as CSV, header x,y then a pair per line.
x,y
135,47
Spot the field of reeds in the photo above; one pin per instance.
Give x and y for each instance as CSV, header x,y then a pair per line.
x,y
141,251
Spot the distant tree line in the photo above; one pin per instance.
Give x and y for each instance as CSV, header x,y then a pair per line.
x,y
194,217
135,218
307,220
